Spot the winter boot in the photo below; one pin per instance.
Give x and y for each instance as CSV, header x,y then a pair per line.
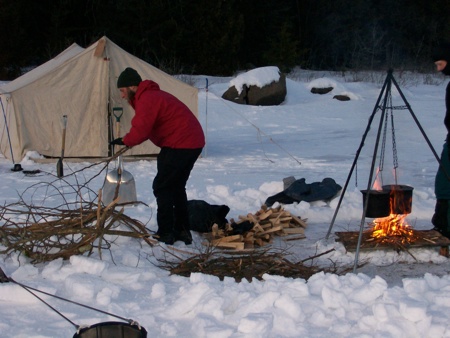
x,y
441,217
184,236
167,238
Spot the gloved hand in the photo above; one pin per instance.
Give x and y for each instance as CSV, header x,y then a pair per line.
x,y
117,141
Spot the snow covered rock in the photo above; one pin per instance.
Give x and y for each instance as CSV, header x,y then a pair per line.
x,y
264,86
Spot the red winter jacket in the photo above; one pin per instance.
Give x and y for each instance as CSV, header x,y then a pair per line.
x,y
163,119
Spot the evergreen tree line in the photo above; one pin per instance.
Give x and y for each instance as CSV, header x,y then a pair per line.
x,y
219,37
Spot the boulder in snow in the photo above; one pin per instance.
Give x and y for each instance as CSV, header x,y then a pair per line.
x,y
264,86
341,97
321,91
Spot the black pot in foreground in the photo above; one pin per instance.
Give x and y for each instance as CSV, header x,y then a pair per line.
x,y
378,204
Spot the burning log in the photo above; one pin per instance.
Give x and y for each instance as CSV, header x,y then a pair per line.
x,y
265,224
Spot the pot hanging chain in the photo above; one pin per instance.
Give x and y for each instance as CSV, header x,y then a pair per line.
x,y
390,114
383,147
394,144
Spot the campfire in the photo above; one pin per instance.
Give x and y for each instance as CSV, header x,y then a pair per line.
x,y
394,228
389,207
389,228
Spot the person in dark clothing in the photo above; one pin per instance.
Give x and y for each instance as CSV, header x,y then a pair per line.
x,y
441,217
167,122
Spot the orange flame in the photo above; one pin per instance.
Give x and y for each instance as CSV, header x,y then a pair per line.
x,y
394,225
377,185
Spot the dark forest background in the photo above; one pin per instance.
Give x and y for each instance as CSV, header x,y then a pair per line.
x,y
219,37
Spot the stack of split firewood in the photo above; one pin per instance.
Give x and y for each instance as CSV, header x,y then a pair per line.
x,y
265,224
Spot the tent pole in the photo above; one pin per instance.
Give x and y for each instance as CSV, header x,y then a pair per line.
x,y
17,167
206,122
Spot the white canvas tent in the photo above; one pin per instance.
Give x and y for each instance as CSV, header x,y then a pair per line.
x,y
79,83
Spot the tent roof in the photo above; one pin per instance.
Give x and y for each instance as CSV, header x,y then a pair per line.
x,y
42,70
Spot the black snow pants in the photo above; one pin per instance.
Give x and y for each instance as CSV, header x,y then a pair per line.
x,y
169,187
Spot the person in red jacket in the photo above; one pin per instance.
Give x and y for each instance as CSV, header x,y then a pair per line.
x,y
167,122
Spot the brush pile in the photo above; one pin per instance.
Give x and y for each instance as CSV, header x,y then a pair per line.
x,y
248,265
75,226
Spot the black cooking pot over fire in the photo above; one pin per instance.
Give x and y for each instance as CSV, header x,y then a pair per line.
x,y
392,199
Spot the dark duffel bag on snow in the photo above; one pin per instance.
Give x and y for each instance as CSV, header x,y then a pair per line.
x,y
202,215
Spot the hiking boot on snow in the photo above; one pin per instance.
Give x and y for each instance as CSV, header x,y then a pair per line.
x,y
167,238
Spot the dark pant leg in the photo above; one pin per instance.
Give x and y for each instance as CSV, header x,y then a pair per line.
x,y
441,217
442,182
163,194
169,187
181,221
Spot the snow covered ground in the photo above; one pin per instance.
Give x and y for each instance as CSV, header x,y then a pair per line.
x,y
249,152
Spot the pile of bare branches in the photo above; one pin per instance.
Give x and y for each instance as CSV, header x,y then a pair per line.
x,y
44,234
49,233
246,266
61,218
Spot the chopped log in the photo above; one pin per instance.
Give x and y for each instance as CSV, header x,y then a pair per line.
x,y
274,229
232,238
290,231
258,228
266,214
266,226
260,242
275,222
299,221
252,218
249,234
231,245
262,236
250,239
